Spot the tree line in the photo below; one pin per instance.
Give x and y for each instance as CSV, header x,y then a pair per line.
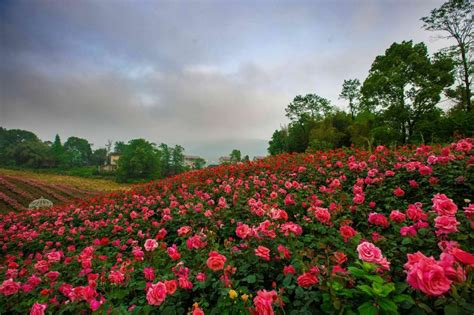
x,y
139,159
398,102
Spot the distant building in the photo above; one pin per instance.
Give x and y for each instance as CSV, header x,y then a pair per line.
x,y
225,160
111,164
190,160
257,158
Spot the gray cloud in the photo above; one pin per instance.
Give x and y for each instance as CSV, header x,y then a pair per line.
x,y
187,73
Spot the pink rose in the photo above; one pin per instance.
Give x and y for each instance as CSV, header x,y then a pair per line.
x,y
426,275
263,252
263,302
38,309
184,230
307,279
322,215
173,252
42,266
116,277
9,287
415,213
378,219
408,231
446,224
216,261
151,245
149,273
370,253
289,270
347,232
53,256
358,199
398,192
397,216
201,277
442,205
171,286
156,294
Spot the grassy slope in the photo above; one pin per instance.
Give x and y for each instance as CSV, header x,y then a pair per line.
x,y
102,185
63,187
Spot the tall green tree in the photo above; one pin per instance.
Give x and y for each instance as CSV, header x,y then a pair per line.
x,y
406,84
165,160
177,159
99,156
456,18
310,106
10,140
79,151
304,112
140,160
119,147
351,92
33,154
279,142
235,156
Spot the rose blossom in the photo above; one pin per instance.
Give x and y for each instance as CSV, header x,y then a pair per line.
x,y
378,219
347,232
426,275
156,294
149,273
446,224
171,286
242,230
116,277
173,252
151,245
263,252
289,270
397,216
263,302
442,205
216,261
307,279
399,192
322,215
464,257
38,309
9,287
370,253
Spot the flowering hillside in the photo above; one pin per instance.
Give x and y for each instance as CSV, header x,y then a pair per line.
x,y
336,232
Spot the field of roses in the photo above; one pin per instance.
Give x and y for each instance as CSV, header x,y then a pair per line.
x,y
336,232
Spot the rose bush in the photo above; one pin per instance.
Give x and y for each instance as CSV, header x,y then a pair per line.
x,y
337,232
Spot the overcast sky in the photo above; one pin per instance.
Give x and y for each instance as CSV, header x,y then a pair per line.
x,y
186,72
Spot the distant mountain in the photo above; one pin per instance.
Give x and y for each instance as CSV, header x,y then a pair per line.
x,y
212,150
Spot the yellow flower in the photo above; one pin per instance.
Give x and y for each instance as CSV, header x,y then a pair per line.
x,y
196,305
233,294
244,297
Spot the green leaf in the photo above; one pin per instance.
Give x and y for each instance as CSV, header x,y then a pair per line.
x,y
403,298
366,289
367,309
356,271
389,306
425,307
287,281
452,309
251,279
376,279
406,241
